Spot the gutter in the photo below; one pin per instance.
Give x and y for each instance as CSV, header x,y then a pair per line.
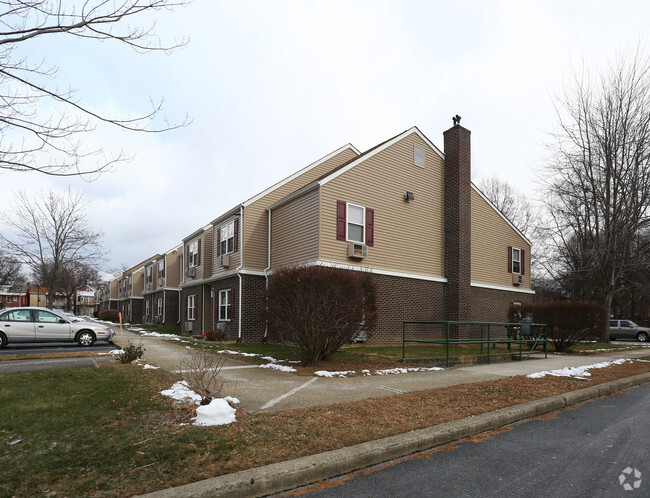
x,y
238,270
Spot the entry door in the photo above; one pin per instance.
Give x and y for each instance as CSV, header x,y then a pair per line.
x,y
49,328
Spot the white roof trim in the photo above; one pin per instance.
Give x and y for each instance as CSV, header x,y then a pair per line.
x,y
502,288
380,149
298,173
478,191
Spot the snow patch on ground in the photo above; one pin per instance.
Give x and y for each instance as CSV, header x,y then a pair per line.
x,y
281,368
389,371
217,412
577,372
146,366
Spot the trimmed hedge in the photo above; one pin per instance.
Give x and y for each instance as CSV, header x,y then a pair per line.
x,y
569,322
109,315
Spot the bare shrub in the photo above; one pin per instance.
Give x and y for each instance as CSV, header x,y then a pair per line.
x,y
202,372
314,310
569,322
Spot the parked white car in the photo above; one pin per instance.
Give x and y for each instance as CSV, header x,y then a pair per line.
x,y
33,324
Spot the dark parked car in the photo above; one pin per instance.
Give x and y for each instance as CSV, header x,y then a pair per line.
x,y
627,329
32,324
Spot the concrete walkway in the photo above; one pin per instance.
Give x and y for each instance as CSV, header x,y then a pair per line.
x,y
266,390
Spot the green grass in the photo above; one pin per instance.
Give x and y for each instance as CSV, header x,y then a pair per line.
x,y
80,431
593,346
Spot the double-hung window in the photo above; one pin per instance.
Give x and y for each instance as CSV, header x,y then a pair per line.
x,y
356,223
191,307
225,300
227,241
146,308
516,260
149,276
160,306
161,268
193,256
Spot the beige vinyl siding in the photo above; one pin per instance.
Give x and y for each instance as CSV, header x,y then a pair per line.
x,y
172,268
255,233
295,231
113,292
408,236
235,257
491,236
138,283
204,269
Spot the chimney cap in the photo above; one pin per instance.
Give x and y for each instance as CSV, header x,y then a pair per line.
x,y
456,119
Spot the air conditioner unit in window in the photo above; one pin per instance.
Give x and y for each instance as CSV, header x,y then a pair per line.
x,y
190,272
225,260
517,279
148,285
161,282
358,251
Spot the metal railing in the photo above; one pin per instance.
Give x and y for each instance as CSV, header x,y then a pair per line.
x,y
486,336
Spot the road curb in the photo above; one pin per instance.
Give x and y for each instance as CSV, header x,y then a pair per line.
x,y
291,474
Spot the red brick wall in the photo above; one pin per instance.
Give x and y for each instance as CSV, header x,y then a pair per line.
x,y
490,305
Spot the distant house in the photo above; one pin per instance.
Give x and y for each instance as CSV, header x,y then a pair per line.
x,y
162,277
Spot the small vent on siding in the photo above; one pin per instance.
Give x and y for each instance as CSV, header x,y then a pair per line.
x,y
418,156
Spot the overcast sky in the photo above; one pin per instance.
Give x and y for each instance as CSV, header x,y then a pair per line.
x,y
272,86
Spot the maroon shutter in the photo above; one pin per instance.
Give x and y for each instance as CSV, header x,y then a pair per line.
x,y
236,234
187,308
340,220
509,259
187,256
523,258
370,227
218,241
232,303
198,251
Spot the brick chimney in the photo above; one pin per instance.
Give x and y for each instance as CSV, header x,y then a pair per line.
x,y
458,222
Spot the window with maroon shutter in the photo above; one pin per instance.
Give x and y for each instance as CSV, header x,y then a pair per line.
x,y
523,259
236,234
355,223
218,241
228,237
509,259
198,254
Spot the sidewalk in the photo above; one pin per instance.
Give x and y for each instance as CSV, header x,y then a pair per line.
x,y
266,390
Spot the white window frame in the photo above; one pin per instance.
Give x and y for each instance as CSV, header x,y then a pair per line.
x,y
191,307
348,223
161,268
149,274
517,251
147,308
160,306
193,256
227,234
225,299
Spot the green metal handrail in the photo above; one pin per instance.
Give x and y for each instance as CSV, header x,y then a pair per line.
x,y
542,337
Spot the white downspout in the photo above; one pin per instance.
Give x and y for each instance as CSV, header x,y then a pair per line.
x,y
267,269
241,265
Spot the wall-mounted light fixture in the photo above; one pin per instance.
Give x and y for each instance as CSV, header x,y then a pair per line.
x,y
408,196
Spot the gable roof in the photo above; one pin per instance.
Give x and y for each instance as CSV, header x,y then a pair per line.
x,y
348,165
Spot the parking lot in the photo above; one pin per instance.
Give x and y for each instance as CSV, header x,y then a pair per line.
x,y
55,347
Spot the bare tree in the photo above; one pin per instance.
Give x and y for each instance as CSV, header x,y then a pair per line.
x,y
50,234
74,276
10,270
599,182
44,128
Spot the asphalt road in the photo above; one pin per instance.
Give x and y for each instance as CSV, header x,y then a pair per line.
x,y
55,347
595,449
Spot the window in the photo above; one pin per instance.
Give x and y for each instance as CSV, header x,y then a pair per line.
x,y
516,258
161,268
17,316
160,306
149,277
354,223
613,323
46,317
418,156
193,256
146,308
227,238
225,300
191,307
